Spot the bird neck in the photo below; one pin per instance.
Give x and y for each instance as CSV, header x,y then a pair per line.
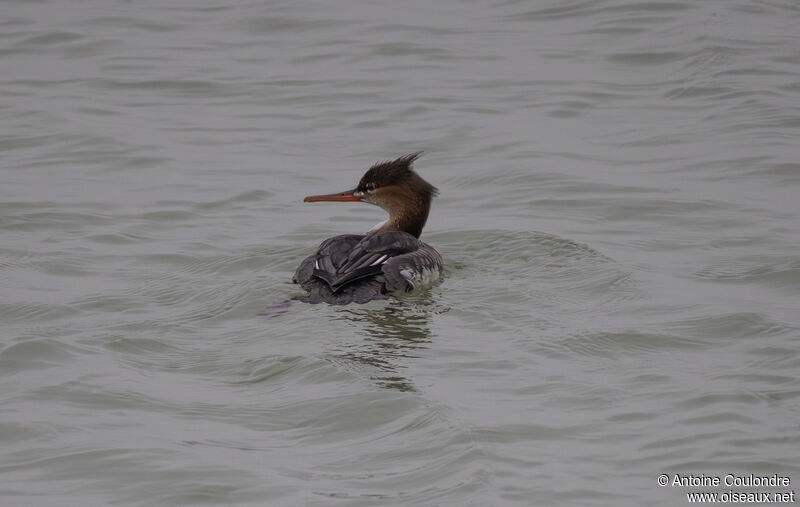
x,y
408,212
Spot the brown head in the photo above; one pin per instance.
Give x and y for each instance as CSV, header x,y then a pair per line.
x,y
395,187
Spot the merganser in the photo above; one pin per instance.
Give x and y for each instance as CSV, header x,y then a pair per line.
x,y
389,259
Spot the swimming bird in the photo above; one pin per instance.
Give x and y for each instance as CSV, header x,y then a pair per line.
x,y
390,258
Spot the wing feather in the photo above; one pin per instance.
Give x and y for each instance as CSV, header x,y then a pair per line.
x,y
419,268
345,259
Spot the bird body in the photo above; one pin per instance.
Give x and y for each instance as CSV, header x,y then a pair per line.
x,y
390,259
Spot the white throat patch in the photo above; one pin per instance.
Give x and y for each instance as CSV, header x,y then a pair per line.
x,y
378,226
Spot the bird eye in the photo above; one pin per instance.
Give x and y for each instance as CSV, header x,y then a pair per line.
x,y
370,187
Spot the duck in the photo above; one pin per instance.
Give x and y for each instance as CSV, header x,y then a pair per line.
x,y
389,259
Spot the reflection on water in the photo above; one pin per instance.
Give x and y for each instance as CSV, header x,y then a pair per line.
x,y
390,336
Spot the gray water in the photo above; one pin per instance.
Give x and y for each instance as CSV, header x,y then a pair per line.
x,y
620,195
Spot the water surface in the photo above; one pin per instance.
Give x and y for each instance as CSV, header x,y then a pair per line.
x,y
618,217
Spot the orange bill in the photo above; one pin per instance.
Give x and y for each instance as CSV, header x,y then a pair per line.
x,y
347,196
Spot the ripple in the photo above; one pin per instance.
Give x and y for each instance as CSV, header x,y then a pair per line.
x,y
35,354
36,312
621,344
783,273
51,220
742,325
116,239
